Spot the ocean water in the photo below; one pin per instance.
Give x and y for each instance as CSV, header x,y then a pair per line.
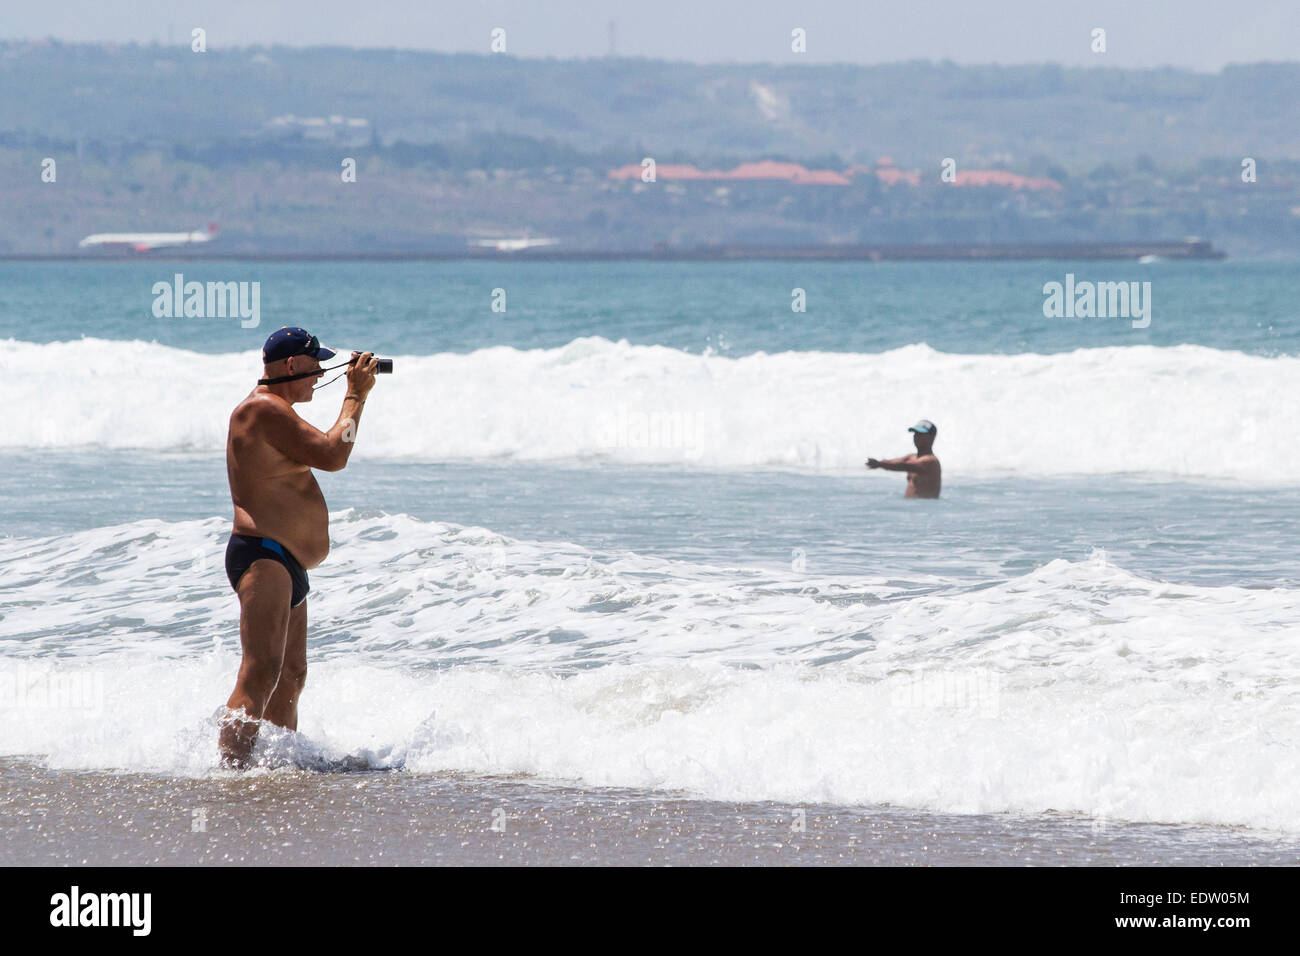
x,y
619,536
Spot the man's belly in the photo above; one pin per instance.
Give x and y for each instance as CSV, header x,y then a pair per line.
x,y
291,512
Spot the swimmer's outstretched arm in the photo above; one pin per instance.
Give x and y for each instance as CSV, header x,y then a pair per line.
x,y
906,463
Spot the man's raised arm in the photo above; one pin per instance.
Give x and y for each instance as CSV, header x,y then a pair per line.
x,y
304,442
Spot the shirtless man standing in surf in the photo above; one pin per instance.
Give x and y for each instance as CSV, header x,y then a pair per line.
x,y
281,528
923,473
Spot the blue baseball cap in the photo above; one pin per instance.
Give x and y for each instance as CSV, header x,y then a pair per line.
x,y
291,340
925,427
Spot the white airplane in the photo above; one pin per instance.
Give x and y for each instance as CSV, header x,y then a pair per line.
x,y
145,241
511,245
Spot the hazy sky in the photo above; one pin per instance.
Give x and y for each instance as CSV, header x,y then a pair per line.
x,y
1195,34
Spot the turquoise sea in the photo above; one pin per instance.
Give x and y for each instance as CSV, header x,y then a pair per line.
x,y
619,535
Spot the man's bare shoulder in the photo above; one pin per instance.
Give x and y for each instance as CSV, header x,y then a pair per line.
x,y
258,406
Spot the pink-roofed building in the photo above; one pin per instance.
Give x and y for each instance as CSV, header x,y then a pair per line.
x,y
886,172
821,177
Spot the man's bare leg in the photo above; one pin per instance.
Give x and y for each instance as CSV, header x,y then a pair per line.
x,y
282,710
265,590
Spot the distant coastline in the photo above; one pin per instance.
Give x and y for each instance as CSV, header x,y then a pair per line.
x,y
957,252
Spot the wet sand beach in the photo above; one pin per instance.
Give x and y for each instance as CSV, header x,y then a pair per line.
x,y
300,818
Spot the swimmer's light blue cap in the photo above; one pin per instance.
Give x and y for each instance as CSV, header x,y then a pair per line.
x,y
925,427
289,341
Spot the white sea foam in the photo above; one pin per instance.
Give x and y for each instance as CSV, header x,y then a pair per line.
x,y
1185,410
1075,687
